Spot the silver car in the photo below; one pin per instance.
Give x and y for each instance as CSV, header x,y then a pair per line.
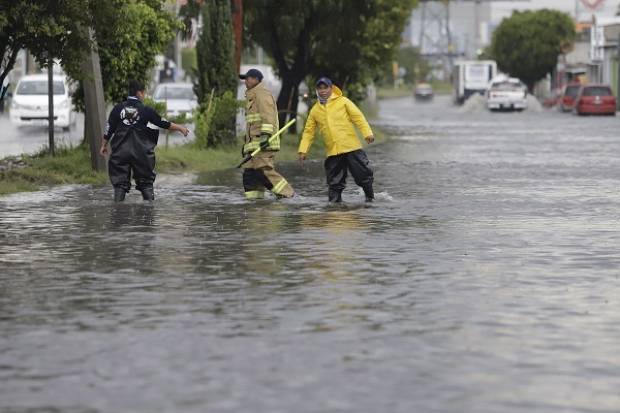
x,y
179,98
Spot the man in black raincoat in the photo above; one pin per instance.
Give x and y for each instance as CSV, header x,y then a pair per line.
x,y
131,129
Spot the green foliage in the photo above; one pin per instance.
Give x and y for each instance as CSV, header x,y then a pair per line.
x,y
160,107
416,67
348,40
45,28
527,44
189,62
129,35
212,121
215,51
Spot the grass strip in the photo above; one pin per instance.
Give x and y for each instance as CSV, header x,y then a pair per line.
x,y
71,165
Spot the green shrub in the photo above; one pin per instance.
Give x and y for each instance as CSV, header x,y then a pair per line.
x,y
215,121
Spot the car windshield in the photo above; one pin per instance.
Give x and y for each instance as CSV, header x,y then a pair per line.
x,y
174,93
596,91
39,87
507,86
571,91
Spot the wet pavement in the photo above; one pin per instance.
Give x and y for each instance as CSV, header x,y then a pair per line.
x,y
29,139
483,279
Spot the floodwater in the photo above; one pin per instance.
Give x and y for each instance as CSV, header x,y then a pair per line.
x,y
485,278
28,139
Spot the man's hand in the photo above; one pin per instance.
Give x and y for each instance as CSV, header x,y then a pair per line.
x,y
183,130
370,139
179,128
103,151
302,158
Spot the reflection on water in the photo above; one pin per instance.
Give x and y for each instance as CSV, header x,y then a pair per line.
x,y
484,279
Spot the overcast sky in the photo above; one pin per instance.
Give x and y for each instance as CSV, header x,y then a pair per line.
x,y
608,8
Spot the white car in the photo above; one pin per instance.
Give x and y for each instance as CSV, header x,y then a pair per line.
x,y
29,104
179,98
506,93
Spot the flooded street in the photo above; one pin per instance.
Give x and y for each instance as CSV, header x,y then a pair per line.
x,y
483,279
16,140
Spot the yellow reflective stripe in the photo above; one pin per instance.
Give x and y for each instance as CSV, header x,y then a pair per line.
x,y
277,188
253,117
274,145
254,194
266,128
251,146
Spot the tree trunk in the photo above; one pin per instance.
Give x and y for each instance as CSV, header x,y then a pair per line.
x,y
291,75
288,100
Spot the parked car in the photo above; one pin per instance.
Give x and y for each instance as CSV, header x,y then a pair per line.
x,y
567,100
595,100
506,93
179,97
423,91
29,104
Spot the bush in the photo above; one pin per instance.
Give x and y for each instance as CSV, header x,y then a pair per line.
x,y
213,121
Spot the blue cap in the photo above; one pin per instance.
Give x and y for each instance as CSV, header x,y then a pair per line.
x,y
252,73
324,80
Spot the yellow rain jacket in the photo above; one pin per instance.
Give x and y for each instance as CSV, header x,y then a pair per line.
x,y
335,120
261,117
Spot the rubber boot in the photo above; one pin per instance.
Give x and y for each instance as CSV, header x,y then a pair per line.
x,y
148,194
119,194
369,192
334,196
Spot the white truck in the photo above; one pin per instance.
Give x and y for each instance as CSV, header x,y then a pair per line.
x,y
472,77
506,93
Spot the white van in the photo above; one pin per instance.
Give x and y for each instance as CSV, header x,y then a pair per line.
x,y
472,77
29,104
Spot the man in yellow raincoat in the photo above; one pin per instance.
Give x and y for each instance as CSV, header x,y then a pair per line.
x,y
261,117
335,116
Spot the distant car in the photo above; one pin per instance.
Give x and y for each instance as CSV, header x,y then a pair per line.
x,y
423,91
506,93
595,100
179,97
29,104
567,100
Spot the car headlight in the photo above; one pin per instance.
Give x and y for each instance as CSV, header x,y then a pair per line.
x,y
16,105
63,105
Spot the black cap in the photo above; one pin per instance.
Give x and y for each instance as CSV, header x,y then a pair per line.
x,y
324,80
252,73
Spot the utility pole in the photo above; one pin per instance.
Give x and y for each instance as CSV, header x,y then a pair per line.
x,y
618,75
50,102
94,105
576,10
237,9
477,41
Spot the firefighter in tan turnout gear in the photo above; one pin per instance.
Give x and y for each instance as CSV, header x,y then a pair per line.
x,y
262,121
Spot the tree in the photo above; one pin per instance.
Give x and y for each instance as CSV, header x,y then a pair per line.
x,y
416,67
215,51
54,28
348,40
129,35
527,44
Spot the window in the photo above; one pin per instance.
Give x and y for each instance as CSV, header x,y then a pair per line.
x,y
39,87
596,91
174,93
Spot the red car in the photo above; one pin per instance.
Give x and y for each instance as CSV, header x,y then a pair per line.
x,y
567,100
595,100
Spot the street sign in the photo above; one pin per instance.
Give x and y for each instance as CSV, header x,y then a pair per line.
x,y
592,4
